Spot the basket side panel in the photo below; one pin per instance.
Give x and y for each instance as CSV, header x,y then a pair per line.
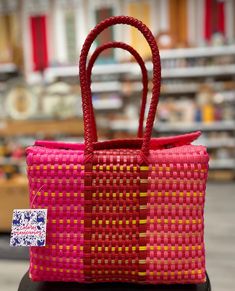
x,y
175,221
56,183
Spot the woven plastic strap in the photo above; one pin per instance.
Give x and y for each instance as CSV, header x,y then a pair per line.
x,y
85,88
140,61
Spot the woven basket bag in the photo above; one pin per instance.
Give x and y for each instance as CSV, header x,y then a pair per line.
x,y
121,210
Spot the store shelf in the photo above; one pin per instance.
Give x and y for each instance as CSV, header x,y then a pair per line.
x,y
203,71
137,86
11,161
14,183
124,125
213,143
14,195
198,52
102,87
226,164
131,68
48,127
131,125
182,126
107,104
179,88
8,68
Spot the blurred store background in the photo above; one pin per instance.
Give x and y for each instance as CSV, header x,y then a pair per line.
x,y
40,98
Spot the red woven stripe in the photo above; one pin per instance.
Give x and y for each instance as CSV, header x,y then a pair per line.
x,y
114,217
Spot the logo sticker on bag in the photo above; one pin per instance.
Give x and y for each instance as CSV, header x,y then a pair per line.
x,y
28,227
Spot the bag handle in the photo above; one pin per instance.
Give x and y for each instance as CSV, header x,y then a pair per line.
x,y
86,91
141,63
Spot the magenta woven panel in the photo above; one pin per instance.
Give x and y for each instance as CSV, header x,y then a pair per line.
x,y
56,178
175,223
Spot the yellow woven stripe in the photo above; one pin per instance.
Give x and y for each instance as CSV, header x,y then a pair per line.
x,y
66,221
113,272
106,167
176,261
172,273
56,259
175,235
60,194
58,181
144,168
167,169
142,194
107,222
175,194
174,248
143,181
142,273
143,207
68,208
114,249
171,180
170,207
173,221
152,194
127,181
53,269
151,248
114,181
143,221
114,195
64,247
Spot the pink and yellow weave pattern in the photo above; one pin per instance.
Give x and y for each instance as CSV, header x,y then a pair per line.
x,y
142,223
62,193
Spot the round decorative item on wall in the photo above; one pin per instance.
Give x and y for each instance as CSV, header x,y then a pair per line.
x,y
20,103
165,40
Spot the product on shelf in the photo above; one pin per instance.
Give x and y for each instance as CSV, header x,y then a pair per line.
x,y
165,40
20,102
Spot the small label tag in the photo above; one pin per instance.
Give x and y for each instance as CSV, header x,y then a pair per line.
x,y
28,227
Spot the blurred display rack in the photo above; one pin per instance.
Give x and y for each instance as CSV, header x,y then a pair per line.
x,y
179,127
11,161
14,195
136,86
227,164
198,52
214,71
174,127
48,127
52,73
14,191
115,71
184,127
8,68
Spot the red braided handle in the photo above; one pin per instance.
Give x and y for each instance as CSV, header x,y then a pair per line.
x,y
85,88
140,61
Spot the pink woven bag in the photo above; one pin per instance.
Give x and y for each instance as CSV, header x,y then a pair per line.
x,y
120,210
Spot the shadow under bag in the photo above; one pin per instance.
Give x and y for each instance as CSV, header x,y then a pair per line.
x,y
120,210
